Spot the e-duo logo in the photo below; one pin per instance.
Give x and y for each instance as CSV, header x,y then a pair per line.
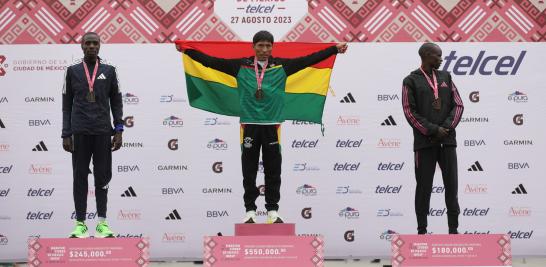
x,y
130,99
483,64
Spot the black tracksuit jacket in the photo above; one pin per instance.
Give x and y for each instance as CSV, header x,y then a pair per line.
x,y
83,117
417,98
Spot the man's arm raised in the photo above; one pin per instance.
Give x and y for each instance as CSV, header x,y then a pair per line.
x,y
293,65
228,66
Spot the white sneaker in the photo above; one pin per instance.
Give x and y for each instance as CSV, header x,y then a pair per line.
x,y
250,217
273,217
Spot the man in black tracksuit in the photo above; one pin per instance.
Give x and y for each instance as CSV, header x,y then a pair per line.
x,y
433,108
90,90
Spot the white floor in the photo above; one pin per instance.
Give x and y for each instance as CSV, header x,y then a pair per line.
x,y
518,262
523,262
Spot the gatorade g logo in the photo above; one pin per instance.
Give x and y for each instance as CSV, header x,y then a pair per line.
x,y
217,167
349,236
173,144
306,213
518,119
2,65
483,63
128,121
474,97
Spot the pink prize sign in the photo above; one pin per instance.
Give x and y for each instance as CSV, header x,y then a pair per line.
x,y
451,250
263,251
76,252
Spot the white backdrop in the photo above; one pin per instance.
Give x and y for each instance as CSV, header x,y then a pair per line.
x,y
209,202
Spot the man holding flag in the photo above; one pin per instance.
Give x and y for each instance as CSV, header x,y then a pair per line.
x,y
263,91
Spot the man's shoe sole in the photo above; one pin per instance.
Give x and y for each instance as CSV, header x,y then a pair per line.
x,y
84,236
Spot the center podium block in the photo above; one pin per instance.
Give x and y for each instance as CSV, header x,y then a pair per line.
x,y
258,229
264,245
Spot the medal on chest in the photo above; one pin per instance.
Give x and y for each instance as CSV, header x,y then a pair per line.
x,y
91,81
433,83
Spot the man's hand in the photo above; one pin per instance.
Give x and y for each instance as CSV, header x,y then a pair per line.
x,y
179,48
68,145
341,47
116,141
442,133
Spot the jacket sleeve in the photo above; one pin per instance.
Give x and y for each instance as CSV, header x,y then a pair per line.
x,y
116,100
293,65
457,108
229,66
416,120
68,98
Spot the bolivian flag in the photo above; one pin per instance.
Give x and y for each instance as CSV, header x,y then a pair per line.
x,y
216,91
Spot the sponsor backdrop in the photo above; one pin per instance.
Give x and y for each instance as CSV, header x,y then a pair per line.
x,y
178,175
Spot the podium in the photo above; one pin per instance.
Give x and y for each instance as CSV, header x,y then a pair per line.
x,y
264,245
81,252
276,229
451,250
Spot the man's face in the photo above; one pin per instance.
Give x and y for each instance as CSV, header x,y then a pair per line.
x,y
263,49
91,45
434,57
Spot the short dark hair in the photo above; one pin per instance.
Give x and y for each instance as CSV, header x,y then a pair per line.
x,y
262,36
425,48
90,33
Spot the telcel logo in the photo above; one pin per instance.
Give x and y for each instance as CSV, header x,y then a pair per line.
x,y
5,169
304,143
348,143
388,189
40,192
39,215
520,234
485,65
390,166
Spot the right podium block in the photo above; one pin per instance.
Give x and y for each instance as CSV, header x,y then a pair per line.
x,y
451,250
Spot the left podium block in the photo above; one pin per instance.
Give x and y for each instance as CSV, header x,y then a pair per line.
x,y
104,252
